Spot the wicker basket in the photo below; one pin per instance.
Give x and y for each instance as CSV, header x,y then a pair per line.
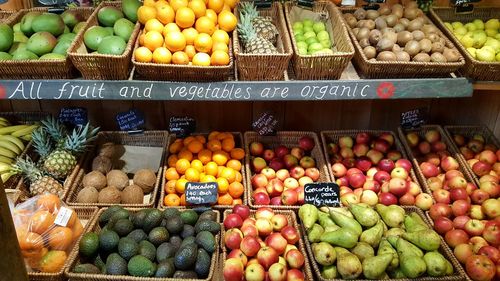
x,y
149,138
458,271
292,220
333,136
475,69
315,67
469,132
265,66
74,260
287,138
398,69
444,138
238,138
87,216
40,69
99,66
5,15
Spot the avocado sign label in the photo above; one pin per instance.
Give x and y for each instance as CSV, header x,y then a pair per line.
x,y
198,193
322,194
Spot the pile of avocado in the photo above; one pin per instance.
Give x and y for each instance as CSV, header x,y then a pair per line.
x,y
40,36
150,243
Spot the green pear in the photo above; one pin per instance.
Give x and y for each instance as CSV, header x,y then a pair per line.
x,y
374,267
478,23
342,237
436,264
396,231
404,247
373,235
472,51
412,266
393,215
449,268
470,26
492,24
346,222
457,24
427,240
343,211
397,274
324,253
467,40
363,250
461,30
329,272
491,32
479,38
324,219
331,228
365,215
349,266
340,251
385,248
308,214
494,43
314,233
413,222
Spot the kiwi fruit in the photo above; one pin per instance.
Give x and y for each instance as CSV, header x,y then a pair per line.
x,y
372,14
363,33
411,4
397,7
132,194
370,24
107,150
351,20
387,29
405,22
418,35
404,37
425,45
370,52
437,47
118,179
95,179
396,48
398,28
87,195
384,10
384,44
414,25
438,57
365,42
110,195
360,23
398,12
391,36
429,28
102,164
412,47
410,13
391,20
380,23
386,56
402,56
374,36
451,55
355,31
433,37
360,14
146,179
422,57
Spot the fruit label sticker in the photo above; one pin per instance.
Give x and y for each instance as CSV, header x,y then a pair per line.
x,y
413,119
73,116
131,120
182,126
198,193
63,216
322,194
265,125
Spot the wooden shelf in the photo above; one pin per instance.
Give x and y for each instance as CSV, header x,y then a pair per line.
x,y
487,85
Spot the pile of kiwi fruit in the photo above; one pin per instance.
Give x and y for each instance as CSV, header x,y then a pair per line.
x,y
400,33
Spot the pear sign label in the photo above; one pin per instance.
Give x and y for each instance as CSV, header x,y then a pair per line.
x,y
73,116
322,194
198,193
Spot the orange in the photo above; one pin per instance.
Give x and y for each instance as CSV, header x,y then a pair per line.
x,y
220,157
208,178
211,168
216,5
219,170
223,185
185,154
212,135
183,200
234,164
53,261
182,165
143,54
172,174
227,21
236,189
184,17
225,199
176,4
141,39
41,221
153,40
239,177
237,153
171,160
214,145
145,13
170,186
49,202
201,139
205,25
211,14
153,25
180,58
224,135
198,7
228,173
187,140
170,27
172,200
162,55
192,175
195,146
175,41
201,59
60,238
29,241
203,43
161,3
165,14
180,185
205,156
32,258
231,3
190,51
77,230
219,57
228,144
238,201
189,35
220,36
176,146
198,165
219,46
226,8
149,3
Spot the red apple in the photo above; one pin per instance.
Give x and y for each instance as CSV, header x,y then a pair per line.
x,y
264,213
414,188
255,272
268,155
412,139
440,210
276,200
458,194
233,221
479,267
476,212
233,270
281,151
474,227
424,147
232,238
269,173
442,196
429,170
371,172
345,190
478,196
256,148
248,221
277,272
388,137
363,163
258,164
453,173
423,201
282,174
449,163
237,253
386,165
339,170
432,136
460,221
488,156
433,158
443,225
467,152
261,198
381,145
375,156
353,171
345,141
462,252
382,176
403,163
291,183
241,210
295,258
358,192
357,180
481,168
305,180
491,252
290,234
460,207
477,243
297,152
279,221
371,185
492,188
387,198
289,197
306,143
276,241
399,173
290,161
434,183
459,139
295,275
307,162
360,149
267,256
457,182
394,155
297,172
488,177
492,233
470,188
277,164
455,237
249,230
264,227
300,195
491,208
313,173
407,200
259,180
363,137
275,187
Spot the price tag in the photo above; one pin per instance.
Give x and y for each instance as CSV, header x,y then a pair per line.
x,y
413,119
263,3
464,6
182,126
265,125
198,193
373,4
131,120
73,116
322,194
63,216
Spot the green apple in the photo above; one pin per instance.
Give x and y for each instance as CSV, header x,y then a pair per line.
x,y
448,25
479,38
309,34
323,35
492,24
459,37
491,32
498,57
308,22
301,45
494,43
300,37
303,51
297,26
467,40
478,23
326,43
298,32
308,29
323,52
460,30
472,51
319,26
470,26
485,54
457,24
314,47
312,40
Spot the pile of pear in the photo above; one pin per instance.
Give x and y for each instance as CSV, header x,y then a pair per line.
x,y
361,242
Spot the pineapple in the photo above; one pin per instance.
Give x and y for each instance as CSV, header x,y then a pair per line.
x,y
263,25
42,143
39,182
252,42
55,129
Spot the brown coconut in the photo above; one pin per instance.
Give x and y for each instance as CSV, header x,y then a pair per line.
x,y
95,179
117,179
107,150
146,179
88,195
102,164
132,194
110,195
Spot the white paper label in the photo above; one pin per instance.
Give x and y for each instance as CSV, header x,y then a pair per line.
x,y
63,216
348,2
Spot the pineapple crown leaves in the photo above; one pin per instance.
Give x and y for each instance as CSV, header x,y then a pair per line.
x,y
42,142
248,9
27,168
246,30
54,128
78,140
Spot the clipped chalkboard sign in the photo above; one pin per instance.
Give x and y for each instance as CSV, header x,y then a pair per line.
x,y
413,119
464,6
265,125
182,126
73,116
131,120
322,194
198,193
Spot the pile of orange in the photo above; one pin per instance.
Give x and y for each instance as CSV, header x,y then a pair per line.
x,y
212,158
45,245
194,32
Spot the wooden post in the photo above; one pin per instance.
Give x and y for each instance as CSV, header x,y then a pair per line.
x,y
11,263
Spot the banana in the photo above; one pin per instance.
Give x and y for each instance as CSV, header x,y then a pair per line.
x,y
11,129
14,140
5,168
24,131
4,119
26,137
4,124
6,160
7,152
10,146
5,177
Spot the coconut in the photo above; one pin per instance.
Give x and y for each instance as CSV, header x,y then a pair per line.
x,y
146,179
117,179
102,164
107,150
87,195
132,194
110,195
95,179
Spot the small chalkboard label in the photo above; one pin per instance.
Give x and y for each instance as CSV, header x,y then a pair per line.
x,y
73,116
182,126
198,193
464,6
413,119
322,194
265,125
131,120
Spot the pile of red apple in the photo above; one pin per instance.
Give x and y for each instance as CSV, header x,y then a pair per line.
x,y
282,173
482,157
369,169
261,247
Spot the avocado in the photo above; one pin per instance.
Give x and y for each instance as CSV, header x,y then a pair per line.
x,y
127,248
123,28
208,215
170,212
27,21
108,240
189,217
164,223
152,220
164,252
175,225
141,267
116,265
99,263
206,240
120,214
86,268
41,43
147,250
176,242
165,269
158,235
6,37
62,47
202,265
71,18
185,258
180,274
138,235
5,56
130,8
48,22
106,215
188,240
207,225
187,230
53,56
138,218
107,16
123,227
24,55
89,244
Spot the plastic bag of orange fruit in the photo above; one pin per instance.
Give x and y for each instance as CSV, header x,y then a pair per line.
x,y
46,230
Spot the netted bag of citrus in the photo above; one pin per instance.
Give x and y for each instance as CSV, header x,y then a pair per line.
x,y
211,158
46,230
149,242
194,32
